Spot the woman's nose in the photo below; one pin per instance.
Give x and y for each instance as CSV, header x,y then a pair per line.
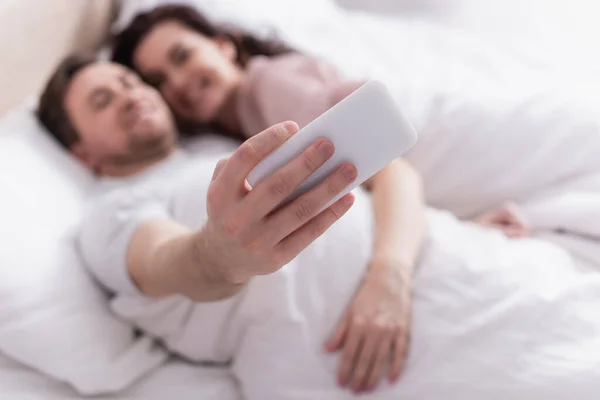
x,y
178,82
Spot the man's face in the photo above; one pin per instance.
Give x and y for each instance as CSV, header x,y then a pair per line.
x,y
122,123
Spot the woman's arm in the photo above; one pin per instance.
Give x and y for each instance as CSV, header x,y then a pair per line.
x,y
399,215
375,326
302,88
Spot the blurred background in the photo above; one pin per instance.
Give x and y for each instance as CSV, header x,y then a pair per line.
x,y
562,33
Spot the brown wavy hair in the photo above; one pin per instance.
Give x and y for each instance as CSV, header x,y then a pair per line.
x,y
247,45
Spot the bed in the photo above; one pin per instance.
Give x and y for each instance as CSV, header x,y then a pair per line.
x,y
494,318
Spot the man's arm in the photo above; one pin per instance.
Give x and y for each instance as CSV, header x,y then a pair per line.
x,y
162,254
246,234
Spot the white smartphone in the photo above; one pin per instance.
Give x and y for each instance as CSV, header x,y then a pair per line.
x,y
367,129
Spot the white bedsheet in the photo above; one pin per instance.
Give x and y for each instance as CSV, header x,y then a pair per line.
x,y
174,380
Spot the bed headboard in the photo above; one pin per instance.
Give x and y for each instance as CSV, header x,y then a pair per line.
x,y
36,34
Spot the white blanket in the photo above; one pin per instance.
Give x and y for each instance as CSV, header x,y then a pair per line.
x,y
569,215
175,379
493,319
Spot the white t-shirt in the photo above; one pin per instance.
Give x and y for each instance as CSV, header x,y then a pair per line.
x,y
120,204
176,189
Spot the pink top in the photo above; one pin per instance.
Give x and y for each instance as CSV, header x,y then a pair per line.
x,y
288,87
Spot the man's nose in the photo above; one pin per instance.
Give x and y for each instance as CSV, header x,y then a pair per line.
x,y
130,99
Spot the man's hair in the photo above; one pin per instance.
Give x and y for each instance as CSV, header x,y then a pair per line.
x,y
51,110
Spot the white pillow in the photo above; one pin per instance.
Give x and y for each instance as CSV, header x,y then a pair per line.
x,y
52,316
481,146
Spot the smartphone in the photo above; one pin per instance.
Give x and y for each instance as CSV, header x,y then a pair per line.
x,y
367,129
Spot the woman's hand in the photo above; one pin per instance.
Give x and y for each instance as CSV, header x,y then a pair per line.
x,y
373,332
507,219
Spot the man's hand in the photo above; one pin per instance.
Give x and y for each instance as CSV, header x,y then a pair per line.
x,y
246,233
373,333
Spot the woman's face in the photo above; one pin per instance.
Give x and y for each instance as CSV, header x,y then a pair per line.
x,y
196,75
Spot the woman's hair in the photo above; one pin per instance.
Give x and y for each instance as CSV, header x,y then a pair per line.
x,y
247,45
51,111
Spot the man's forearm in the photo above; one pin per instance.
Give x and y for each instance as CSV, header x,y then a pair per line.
x,y
165,259
399,214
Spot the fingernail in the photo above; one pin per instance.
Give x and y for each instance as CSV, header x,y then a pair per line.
x,y
348,200
349,171
290,127
325,147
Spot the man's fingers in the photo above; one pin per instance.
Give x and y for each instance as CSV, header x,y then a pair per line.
x,y
253,150
299,240
218,169
350,353
337,339
298,212
380,362
269,193
399,356
365,360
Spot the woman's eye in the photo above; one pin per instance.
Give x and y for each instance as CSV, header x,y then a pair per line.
x,y
180,56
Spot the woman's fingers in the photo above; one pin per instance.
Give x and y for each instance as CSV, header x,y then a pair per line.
x,y
293,244
514,232
400,347
516,218
337,339
365,359
269,193
251,152
351,351
381,362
